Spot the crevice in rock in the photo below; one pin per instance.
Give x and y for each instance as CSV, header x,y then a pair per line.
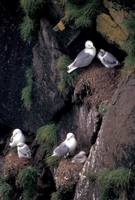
x,y
95,133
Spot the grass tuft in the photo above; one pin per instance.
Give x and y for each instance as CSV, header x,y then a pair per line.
x,y
52,161
129,46
27,90
32,8
28,180
82,15
27,29
5,190
47,135
114,182
66,80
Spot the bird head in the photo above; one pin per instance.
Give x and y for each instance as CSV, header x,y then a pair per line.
x,y
101,53
69,136
89,44
16,131
20,144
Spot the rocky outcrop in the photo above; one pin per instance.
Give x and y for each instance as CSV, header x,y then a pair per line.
x,y
114,146
111,24
46,100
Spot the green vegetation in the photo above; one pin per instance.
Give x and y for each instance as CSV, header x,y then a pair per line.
x,y
52,161
47,135
129,45
63,193
5,190
33,10
91,177
27,28
102,109
27,90
55,196
82,15
113,182
66,80
28,180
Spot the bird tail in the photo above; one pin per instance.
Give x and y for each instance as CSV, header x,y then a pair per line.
x,y
71,69
54,154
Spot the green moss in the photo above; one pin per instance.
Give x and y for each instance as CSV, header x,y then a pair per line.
x,y
91,176
55,196
65,80
47,135
52,161
27,90
64,193
82,15
32,8
102,109
27,29
114,182
27,179
129,45
5,190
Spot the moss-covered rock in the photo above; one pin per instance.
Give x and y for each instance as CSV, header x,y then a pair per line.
x,y
110,29
111,26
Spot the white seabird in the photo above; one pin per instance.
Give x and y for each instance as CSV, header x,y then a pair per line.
x,y
84,58
67,147
17,136
23,150
80,157
107,59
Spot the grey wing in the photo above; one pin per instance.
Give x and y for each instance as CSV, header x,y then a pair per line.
x,y
25,150
61,150
83,59
110,59
78,157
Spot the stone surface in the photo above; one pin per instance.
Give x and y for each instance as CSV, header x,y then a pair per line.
x,y
114,146
46,98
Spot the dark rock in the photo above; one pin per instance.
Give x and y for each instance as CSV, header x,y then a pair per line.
x,y
46,98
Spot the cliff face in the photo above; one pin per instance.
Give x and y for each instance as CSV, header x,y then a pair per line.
x,y
102,121
114,146
46,100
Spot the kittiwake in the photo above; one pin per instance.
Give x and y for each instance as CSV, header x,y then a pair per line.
x,y
67,147
107,59
80,157
84,58
23,150
17,136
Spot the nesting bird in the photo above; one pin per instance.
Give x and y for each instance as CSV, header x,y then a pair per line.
x,y
23,150
17,137
84,58
67,147
107,59
80,157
